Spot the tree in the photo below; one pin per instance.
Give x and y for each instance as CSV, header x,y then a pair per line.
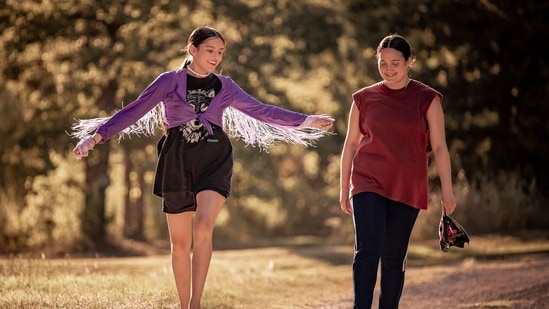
x,y
69,60
73,59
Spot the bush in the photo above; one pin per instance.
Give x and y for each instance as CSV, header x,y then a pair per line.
x,y
501,204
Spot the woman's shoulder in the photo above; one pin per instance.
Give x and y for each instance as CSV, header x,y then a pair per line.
x,y
368,90
421,85
423,91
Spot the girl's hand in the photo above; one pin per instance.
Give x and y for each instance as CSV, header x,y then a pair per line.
x,y
83,147
322,122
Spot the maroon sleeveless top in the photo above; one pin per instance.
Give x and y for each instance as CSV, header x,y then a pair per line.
x,y
392,157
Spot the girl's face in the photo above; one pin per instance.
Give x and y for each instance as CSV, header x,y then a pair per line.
x,y
207,55
393,68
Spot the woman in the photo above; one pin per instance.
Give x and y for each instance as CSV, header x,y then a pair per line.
x,y
195,156
384,170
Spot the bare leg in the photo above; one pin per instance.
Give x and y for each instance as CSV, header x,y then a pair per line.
x,y
209,204
180,228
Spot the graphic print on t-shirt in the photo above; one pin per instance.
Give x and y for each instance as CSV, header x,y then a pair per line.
x,y
199,99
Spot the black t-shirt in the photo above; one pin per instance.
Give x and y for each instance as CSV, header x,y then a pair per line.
x,y
200,92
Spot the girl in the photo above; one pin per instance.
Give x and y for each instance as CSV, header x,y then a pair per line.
x,y
195,161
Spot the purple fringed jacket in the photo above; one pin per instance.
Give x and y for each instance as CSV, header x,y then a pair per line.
x,y
170,89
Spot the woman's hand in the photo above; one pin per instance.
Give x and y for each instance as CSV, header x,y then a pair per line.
x,y
449,202
345,203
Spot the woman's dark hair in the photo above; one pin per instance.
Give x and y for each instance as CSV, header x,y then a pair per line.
x,y
397,42
198,36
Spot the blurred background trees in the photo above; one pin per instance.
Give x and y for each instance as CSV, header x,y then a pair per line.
x,y
81,59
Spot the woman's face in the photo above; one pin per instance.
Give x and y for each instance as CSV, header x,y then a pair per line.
x,y
207,55
393,68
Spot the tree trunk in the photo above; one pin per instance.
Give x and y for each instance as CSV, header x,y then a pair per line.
x,y
94,221
134,205
93,217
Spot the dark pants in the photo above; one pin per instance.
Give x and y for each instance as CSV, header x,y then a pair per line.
x,y
382,231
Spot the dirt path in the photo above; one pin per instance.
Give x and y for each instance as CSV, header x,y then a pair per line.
x,y
517,282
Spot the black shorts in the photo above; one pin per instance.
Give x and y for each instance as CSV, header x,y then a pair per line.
x,y
184,169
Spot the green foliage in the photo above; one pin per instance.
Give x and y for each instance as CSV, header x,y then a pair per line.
x,y
81,59
489,205
49,219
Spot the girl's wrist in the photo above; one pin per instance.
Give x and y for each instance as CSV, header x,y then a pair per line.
x,y
95,139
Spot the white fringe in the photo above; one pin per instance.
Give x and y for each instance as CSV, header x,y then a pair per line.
x,y
264,135
237,125
146,125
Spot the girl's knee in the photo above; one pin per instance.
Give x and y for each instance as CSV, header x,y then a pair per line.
x,y
202,233
181,247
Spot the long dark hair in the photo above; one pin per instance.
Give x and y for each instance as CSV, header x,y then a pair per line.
x,y
196,38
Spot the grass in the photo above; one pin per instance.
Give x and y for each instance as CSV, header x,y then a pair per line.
x,y
86,283
304,276
249,278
